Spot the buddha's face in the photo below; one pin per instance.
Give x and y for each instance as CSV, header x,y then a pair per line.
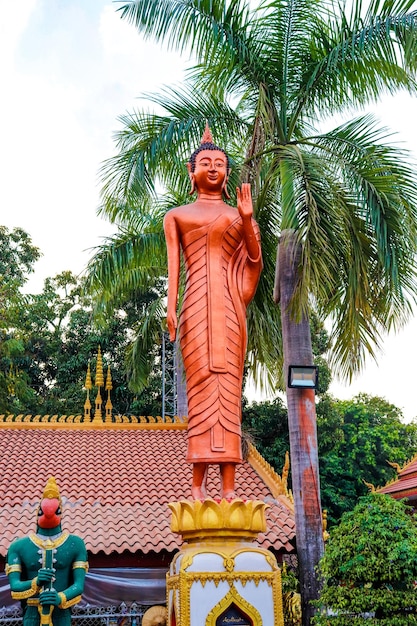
x,y
210,173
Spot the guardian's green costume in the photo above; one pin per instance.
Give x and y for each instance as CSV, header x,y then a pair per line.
x,y
47,569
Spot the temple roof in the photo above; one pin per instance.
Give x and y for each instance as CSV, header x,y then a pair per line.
x,y
115,481
405,485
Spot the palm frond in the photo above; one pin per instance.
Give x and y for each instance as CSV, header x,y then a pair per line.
x,y
264,353
375,280
123,265
149,330
356,60
382,182
188,24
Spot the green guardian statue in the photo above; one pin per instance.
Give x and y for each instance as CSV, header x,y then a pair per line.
x,y
47,569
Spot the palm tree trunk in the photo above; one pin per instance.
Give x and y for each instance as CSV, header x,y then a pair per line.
x,y
302,428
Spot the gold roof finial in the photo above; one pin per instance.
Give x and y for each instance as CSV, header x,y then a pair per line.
x,y
99,383
326,534
88,383
285,470
87,404
370,486
109,384
99,369
395,466
109,387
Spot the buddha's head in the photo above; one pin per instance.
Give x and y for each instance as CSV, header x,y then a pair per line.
x,y
209,156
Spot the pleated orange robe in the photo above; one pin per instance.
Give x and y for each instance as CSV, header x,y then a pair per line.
x,y
221,280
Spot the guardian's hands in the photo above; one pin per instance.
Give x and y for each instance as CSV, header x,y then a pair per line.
x,y
45,576
49,597
244,201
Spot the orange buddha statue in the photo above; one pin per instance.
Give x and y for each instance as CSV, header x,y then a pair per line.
x,y
222,254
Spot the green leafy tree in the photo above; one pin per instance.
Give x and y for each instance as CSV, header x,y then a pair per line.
x,y
267,424
66,361
357,440
58,339
64,336
47,339
17,258
343,202
370,567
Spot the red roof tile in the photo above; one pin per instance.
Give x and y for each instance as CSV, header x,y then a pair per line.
x,y
115,484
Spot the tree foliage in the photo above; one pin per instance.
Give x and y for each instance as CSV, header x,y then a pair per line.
x,y
370,567
133,262
357,440
267,425
17,258
48,339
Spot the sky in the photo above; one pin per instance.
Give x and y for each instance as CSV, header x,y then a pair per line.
x,y
69,70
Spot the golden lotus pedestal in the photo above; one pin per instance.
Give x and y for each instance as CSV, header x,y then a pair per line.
x,y
221,577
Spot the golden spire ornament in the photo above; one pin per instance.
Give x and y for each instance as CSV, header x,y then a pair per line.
x,y
109,387
88,386
99,383
99,369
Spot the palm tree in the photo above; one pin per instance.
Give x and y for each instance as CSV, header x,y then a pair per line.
x,y
342,202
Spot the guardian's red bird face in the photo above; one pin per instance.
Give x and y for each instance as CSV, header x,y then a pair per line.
x,y
49,514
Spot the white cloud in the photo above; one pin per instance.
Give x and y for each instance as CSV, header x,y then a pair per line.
x,y
14,19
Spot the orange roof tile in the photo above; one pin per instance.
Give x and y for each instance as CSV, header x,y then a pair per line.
x,y
115,484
